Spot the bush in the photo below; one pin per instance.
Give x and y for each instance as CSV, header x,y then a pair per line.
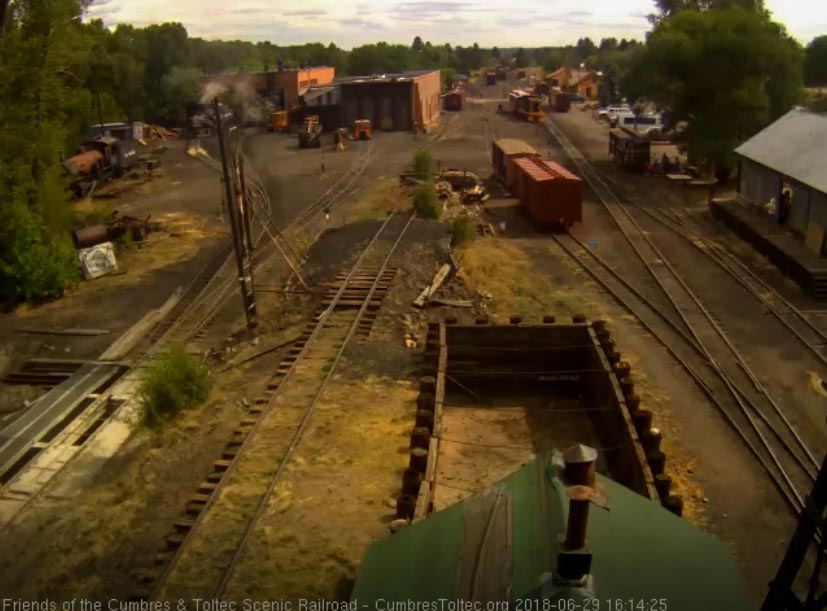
x,y
426,203
176,382
463,231
33,265
423,164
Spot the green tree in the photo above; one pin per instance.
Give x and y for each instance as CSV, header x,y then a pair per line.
x,y
417,44
667,8
43,57
728,73
495,53
815,64
521,58
585,48
448,75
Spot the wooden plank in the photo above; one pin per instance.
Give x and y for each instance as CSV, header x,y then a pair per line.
x,y
421,508
454,303
437,281
79,332
442,365
484,571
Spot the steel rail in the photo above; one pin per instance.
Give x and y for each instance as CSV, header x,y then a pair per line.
x,y
601,189
698,379
731,272
321,321
729,262
263,503
690,341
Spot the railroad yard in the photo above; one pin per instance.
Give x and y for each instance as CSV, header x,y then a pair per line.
x,y
276,486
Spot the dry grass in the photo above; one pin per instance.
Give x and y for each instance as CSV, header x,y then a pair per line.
x,y
384,195
330,504
499,268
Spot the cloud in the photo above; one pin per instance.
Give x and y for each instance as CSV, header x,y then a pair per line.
x,y
304,13
504,23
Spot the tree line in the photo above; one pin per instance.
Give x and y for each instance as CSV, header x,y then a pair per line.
x,y
721,65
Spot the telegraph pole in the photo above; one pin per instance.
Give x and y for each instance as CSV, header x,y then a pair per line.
x,y
234,209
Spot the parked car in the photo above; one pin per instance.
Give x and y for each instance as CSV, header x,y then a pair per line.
x,y
648,124
576,97
614,109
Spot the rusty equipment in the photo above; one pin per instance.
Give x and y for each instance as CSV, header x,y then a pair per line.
x,y
362,129
339,138
278,121
310,134
115,228
99,160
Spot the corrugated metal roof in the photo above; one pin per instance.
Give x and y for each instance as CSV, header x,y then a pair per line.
x,y
795,145
641,551
557,169
544,169
317,92
512,146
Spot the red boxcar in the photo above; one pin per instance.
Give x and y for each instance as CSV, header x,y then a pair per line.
x,y
453,100
490,78
560,102
503,153
552,196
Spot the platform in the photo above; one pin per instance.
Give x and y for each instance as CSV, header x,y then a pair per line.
x,y
788,253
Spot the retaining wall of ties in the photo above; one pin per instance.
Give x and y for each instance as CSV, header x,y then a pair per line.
x,y
632,445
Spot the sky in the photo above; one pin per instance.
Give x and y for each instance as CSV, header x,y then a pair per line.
x,y
348,23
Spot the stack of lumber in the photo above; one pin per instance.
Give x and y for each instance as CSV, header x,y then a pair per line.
x,y
156,132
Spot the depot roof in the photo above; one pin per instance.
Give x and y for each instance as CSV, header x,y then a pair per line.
x,y
795,145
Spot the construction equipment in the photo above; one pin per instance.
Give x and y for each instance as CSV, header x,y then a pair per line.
x,y
526,105
362,129
310,134
339,138
278,121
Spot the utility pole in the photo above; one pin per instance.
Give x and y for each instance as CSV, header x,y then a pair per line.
x,y
232,190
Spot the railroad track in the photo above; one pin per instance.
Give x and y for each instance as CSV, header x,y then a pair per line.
x,y
271,238
237,499
810,335
687,324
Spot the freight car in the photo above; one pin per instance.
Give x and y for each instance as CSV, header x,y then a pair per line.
x,y
631,150
490,78
503,154
560,101
551,195
99,160
525,105
453,100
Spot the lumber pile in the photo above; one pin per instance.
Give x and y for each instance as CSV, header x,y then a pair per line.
x,y
157,132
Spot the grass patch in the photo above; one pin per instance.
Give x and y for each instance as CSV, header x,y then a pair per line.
x,y
423,164
498,268
176,382
89,212
383,196
463,231
426,203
